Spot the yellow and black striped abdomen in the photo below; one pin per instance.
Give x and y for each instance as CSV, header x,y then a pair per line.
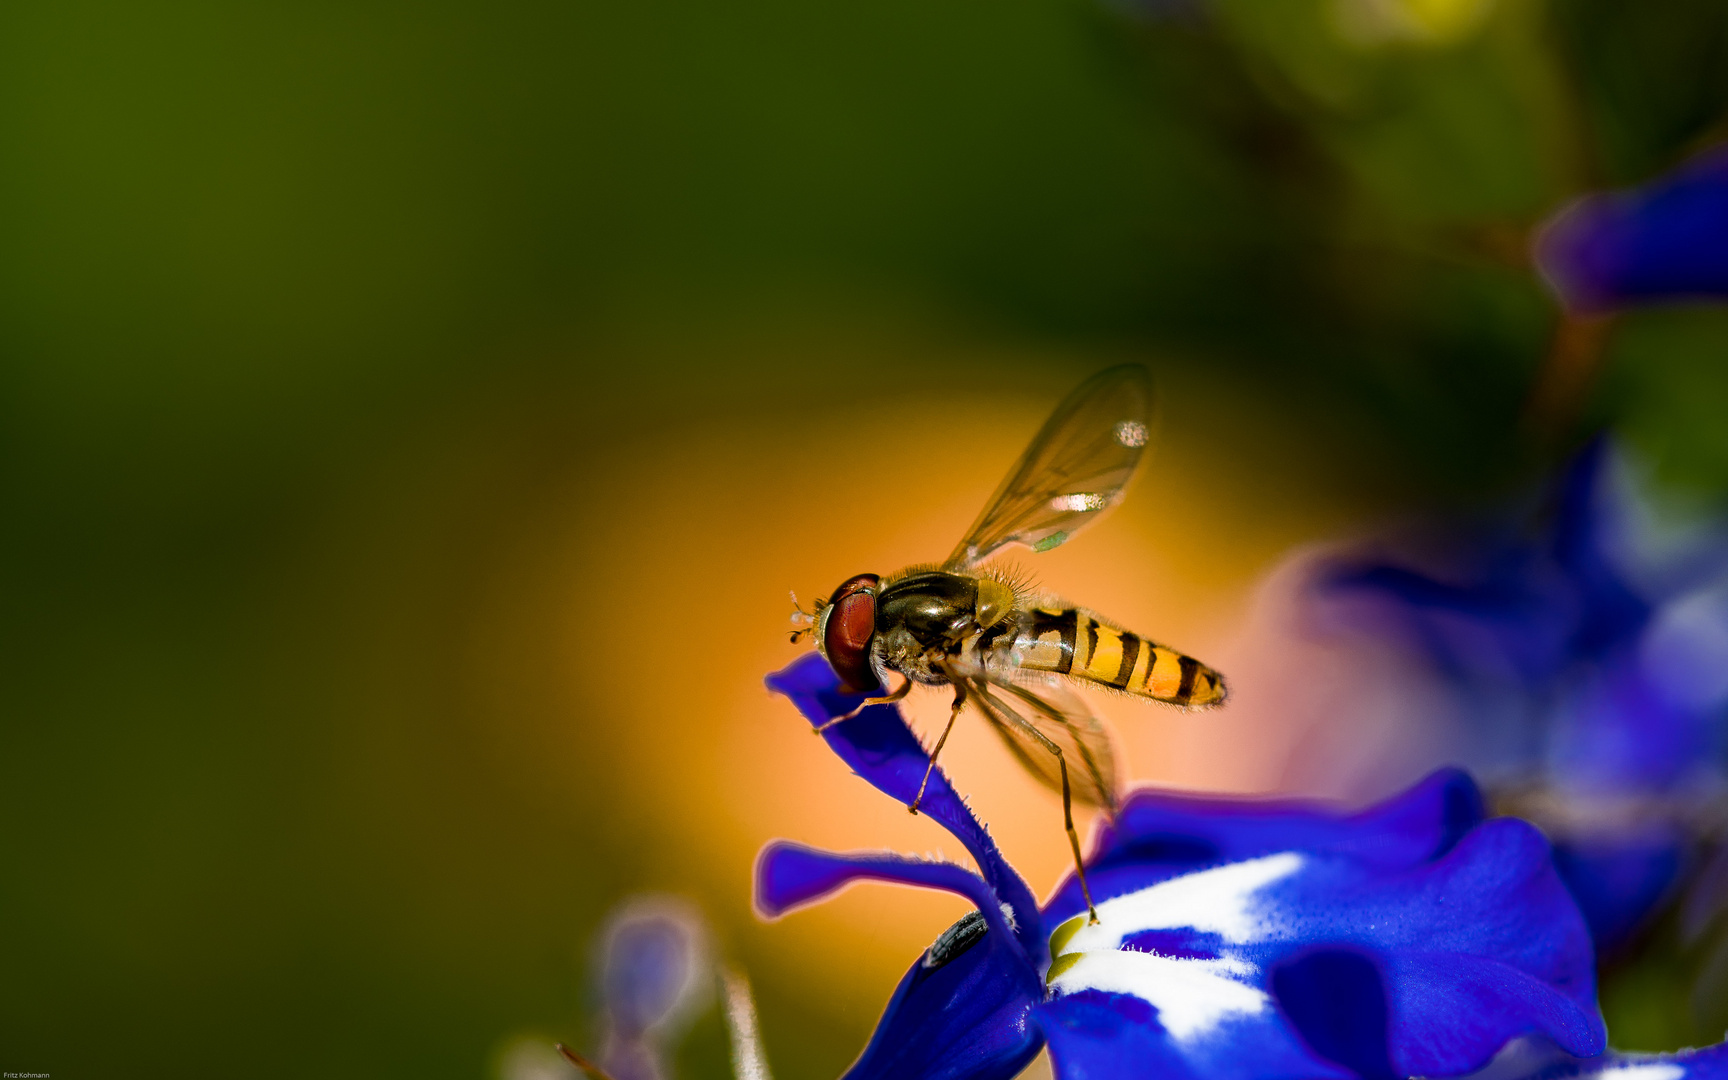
x,y
1072,641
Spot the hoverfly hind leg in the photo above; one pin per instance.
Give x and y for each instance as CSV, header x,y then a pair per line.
x,y
1073,837
1067,792
1096,762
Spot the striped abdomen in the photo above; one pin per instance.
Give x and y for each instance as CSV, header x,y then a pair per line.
x,y
1071,641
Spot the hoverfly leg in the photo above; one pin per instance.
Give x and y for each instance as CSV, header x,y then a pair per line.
x,y
1067,797
959,703
1087,760
1074,837
1068,821
905,688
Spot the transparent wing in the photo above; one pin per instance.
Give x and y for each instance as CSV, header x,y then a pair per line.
x,y
1029,712
1077,467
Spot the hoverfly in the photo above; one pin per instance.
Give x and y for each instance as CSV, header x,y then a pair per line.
x,y
1012,654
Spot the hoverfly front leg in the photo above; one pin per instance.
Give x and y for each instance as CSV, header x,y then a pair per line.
x,y
804,621
959,703
905,688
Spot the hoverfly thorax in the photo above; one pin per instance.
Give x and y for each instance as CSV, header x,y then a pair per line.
x,y
936,609
845,628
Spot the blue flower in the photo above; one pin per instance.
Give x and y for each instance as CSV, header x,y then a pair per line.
x,y
1667,240
1236,938
653,974
1594,681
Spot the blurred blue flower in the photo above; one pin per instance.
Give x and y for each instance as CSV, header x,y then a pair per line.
x,y
1236,938
1667,240
653,973
1594,677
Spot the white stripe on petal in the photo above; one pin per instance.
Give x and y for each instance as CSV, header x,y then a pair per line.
x,y
1218,901
1638,1070
1192,996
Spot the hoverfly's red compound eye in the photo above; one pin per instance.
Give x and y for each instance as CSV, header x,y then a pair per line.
x,y
847,630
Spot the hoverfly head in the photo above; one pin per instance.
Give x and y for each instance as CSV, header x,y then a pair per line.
x,y
845,626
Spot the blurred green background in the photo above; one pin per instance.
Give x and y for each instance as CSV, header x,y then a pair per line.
x,y
412,416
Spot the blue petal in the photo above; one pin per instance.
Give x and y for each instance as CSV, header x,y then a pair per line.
x,y
1710,1063
1477,948
963,1011
1099,1036
789,875
1404,940
879,747
968,1018
1665,241
1159,835
1337,999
